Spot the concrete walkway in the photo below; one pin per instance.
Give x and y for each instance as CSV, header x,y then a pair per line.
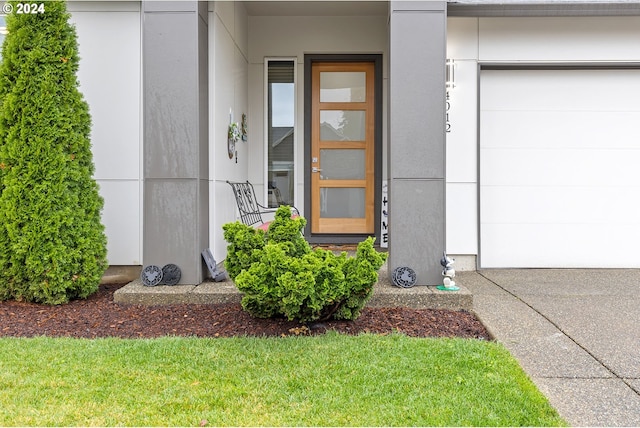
x,y
575,332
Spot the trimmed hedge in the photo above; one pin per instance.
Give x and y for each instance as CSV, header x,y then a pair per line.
x,y
281,275
52,241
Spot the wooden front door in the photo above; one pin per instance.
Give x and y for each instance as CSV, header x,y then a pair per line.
x,y
342,147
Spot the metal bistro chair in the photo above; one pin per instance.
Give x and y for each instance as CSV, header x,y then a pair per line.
x,y
249,208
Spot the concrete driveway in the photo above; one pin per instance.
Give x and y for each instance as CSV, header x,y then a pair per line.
x,y
576,332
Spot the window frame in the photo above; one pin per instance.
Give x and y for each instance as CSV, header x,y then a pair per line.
x,y
266,108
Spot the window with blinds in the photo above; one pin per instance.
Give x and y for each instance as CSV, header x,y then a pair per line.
x,y
280,131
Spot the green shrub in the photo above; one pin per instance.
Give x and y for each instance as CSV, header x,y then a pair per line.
x,y
281,275
52,242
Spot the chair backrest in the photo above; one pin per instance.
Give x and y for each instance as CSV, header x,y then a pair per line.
x,y
247,203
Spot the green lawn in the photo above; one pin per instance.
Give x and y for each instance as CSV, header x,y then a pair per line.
x,y
331,380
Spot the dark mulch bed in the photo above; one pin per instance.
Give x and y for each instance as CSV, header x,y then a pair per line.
x,y
99,316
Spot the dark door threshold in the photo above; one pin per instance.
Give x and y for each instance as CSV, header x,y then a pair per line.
x,y
336,239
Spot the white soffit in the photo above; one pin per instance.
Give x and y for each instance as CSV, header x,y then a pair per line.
x,y
317,8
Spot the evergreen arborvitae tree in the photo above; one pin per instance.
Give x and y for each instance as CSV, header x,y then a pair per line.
x,y
52,241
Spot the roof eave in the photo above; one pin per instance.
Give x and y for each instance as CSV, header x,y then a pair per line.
x,y
514,8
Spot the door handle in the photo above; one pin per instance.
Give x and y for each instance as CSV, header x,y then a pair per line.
x,y
315,169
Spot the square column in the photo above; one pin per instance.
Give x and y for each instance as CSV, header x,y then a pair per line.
x,y
176,134
417,56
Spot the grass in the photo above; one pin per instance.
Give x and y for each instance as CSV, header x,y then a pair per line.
x,y
332,380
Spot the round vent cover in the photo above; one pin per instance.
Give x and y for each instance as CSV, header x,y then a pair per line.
x,y
151,275
171,274
404,277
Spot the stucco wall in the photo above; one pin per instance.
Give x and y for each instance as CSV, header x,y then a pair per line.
x,y
109,74
228,96
471,41
110,70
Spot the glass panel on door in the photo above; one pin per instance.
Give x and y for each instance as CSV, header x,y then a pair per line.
x,y
341,125
342,164
342,202
343,86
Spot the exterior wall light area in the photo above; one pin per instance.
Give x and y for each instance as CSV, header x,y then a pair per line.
x,y
450,73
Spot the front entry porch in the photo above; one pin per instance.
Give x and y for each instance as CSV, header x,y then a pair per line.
x,y
246,57
209,292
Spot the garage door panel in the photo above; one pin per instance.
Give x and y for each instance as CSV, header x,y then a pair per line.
x,y
560,168
557,90
560,246
529,245
559,205
589,130
550,167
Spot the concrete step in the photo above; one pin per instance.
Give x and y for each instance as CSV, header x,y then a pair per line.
x,y
384,295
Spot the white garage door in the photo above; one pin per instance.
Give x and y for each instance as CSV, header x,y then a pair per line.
x,y
560,168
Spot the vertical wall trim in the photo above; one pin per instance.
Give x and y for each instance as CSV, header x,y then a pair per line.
x,y
478,195
176,135
417,151
141,134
